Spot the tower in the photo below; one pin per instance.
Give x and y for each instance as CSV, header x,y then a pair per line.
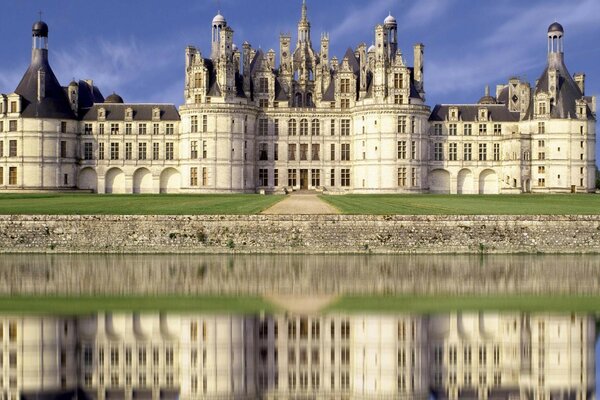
x,y
304,26
218,24
391,26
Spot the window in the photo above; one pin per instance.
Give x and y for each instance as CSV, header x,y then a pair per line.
x,y
332,152
128,151
12,148
467,156
345,177
155,151
291,152
13,106
142,129
194,182
482,129
142,151
263,152
542,107
345,104
170,129
63,127
541,155
169,151
332,127
541,169
398,99
114,356
198,80
204,183
402,177
263,103
12,180
345,127
438,151
275,177
303,152
303,127
292,126
541,182
452,130
315,127
12,126
63,149
496,151
194,124
204,149
332,179
1,148
482,152
114,129
497,129
194,149
398,81
114,151
276,151
128,129
482,355
401,124
468,130
292,177
345,156
87,129
88,151
155,129
263,85
100,151
452,151
402,150
345,86
205,123
413,150
437,129
263,127
316,149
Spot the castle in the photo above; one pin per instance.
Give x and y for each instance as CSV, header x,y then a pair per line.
x,y
359,124
201,356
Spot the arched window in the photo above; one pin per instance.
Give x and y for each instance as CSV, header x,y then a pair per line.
x,y
304,127
292,127
315,127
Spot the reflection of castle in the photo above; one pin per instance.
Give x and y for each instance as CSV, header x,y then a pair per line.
x,y
124,356
359,124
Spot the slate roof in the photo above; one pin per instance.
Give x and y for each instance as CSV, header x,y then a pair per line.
x,y
141,112
55,103
469,113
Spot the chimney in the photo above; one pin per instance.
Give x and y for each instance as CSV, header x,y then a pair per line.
x,y
580,81
419,51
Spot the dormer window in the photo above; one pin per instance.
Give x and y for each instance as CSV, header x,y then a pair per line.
x,y
453,114
156,113
542,108
101,113
129,114
483,114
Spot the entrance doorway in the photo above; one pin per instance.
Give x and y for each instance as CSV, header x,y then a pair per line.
x,y
303,179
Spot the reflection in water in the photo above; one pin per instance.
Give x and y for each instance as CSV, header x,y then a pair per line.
x,y
146,356
296,274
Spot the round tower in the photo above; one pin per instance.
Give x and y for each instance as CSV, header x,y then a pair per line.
x,y
555,38
218,24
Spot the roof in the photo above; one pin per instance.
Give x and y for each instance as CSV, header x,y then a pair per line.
x,y
352,61
55,103
141,112
469,112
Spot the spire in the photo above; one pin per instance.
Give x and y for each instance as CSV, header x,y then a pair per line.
x,y
304,25
304,12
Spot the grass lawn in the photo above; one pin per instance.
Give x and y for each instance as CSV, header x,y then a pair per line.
x,y
87,305
425,204
85,204
438,304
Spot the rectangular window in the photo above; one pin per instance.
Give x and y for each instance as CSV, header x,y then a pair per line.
x,y
100,151
128,129
541,155
194,176
276,151
114,129
482,129
332,177
292,127
276,177
332,127
332,152
316,149
88,151
401,124
194,124
194,149
413,177
438,151
541,127
398,99
345,127
263,103
170,129
468,130
142,151
63,127
398,81
345,86
316,182
291,152
155,151
263,127
437,129
169,151
467,152
402,177
1,148
142,129
402,150
496,151
198,80
155,129
497,129
276,127
345,104
12,180
204,123
345,156
263,85
452,151
345,177
204,183
87,129
413,150
114,151
263,152
482,152
63,149
303,152
292,177
13,106
12,126
204,149
452,130
263,177
315,127
12,148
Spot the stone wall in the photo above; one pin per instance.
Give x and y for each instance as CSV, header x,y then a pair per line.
x,y
301,234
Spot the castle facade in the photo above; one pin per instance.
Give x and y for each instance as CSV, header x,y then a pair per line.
x,y
359,124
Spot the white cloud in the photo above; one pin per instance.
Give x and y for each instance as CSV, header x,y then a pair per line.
x,y
424,12
370,15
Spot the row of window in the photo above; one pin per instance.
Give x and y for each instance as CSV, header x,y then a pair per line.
x,y
467,129
303,127
141,129
293,181
438,152
115,151
115,356
403,178
12,178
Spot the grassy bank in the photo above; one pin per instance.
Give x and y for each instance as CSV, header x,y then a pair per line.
x,y
438,304
86,204
580,204
87,305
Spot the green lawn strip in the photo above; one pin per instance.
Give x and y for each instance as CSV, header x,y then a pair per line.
x,y
89,204
424,204
435,304
51,305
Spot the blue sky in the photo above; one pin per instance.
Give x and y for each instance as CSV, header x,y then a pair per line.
x,y
136,47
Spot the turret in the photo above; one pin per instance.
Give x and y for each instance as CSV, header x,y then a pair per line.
x,y
304,27
218,24
391,26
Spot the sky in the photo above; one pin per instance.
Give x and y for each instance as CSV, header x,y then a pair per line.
x,y
136,47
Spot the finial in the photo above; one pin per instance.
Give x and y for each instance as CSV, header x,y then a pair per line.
x,y
40,13
304,12
487,90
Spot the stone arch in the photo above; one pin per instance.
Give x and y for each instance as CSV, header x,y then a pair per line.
x,y
464,182
488,182
439,181
142,181
88,179
114,181
170,181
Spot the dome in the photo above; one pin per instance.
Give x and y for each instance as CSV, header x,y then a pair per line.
x,y
219,19
73,83
40,29
556,27
390,20
371,49
114,99
234,47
